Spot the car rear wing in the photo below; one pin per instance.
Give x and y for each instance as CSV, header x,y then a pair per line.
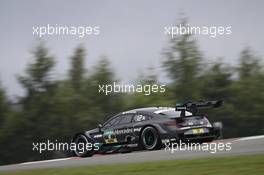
x,y
195,106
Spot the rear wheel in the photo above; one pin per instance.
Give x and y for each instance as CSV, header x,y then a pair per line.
x,y
150,138
81,141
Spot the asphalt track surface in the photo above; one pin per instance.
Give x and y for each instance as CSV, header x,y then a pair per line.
x,y
240,146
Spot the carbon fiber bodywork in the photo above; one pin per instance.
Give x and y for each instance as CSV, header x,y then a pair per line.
x,y
122,132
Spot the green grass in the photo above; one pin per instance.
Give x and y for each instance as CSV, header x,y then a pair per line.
x,y
241,165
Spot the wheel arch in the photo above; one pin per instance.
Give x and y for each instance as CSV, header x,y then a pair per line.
x,y
79,133
158,135
149,125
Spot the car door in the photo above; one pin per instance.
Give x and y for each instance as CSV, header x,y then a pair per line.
x,y
108,130
123,129
138,122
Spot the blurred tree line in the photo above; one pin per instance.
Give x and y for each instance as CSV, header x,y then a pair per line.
x,y
56,109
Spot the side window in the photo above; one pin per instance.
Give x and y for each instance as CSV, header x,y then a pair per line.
x,y
112,122
127,118
140,118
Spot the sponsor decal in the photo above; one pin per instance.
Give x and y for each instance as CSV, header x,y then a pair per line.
x,y
98,136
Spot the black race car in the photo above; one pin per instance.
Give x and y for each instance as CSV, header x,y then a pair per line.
x,y
149,129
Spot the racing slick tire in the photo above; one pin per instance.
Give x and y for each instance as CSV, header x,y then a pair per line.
x,y
150,139
80,141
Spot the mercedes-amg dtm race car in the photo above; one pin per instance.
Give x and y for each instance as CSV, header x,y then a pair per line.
x,y
149,129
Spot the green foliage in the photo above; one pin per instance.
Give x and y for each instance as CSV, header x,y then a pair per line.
x,y
216,82
4,107
183,66
38,73
140,100
107,105
234,165
77,70
56,109
249,64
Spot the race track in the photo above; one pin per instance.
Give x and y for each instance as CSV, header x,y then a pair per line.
x,y
240,146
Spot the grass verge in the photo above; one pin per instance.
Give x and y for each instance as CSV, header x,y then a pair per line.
x,y
238,165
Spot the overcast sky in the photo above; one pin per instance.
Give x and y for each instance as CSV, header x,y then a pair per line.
x,y
132,32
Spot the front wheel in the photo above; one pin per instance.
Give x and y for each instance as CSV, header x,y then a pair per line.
x,y
80,150
150,138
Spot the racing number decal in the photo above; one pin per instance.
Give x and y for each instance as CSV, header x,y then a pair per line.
x,y
110,137
139,118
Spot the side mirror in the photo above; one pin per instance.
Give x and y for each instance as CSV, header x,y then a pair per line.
x,y
100,127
